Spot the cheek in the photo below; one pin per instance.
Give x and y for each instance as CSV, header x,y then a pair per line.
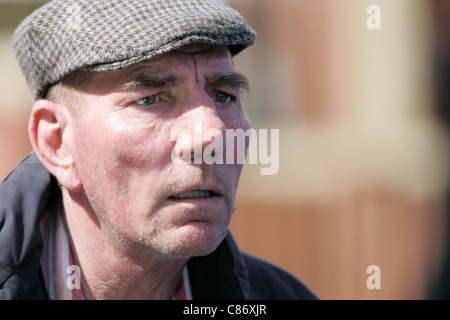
x,y
239,120
113,159
116,143
234,116
237,140
115,164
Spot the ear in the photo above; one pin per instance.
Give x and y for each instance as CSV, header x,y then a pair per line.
x,y
49,129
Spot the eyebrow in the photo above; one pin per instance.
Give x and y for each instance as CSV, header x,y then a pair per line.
x,y
149,82
231,79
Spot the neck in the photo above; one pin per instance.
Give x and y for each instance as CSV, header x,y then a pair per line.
x,y
108,269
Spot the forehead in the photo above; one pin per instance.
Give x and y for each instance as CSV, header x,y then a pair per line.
x,y
205,59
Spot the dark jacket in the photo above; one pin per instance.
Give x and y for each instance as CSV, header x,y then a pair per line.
x,y
227,273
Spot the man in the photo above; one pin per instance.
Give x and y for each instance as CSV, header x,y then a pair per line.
x,y
100,209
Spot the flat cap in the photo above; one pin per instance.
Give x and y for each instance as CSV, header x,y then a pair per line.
x,y
103,35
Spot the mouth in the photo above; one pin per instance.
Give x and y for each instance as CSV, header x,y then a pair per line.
x,y
194,194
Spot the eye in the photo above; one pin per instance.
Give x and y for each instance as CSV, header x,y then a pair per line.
x,y
222,97
148,101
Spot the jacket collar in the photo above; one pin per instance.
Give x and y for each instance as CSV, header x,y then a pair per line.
x,y
23,195
221,275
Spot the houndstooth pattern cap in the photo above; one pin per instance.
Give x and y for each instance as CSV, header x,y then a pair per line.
x,y
103,35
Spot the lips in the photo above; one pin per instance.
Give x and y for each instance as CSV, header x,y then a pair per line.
x,y
192,194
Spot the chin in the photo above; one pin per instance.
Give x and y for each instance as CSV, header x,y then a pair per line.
x,y
193,240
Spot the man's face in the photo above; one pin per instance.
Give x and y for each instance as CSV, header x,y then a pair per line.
x,y
122,143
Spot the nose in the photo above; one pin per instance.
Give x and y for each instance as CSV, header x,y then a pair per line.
x,y
198,125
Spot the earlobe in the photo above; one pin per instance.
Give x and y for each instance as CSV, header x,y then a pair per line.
x,y
48,130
